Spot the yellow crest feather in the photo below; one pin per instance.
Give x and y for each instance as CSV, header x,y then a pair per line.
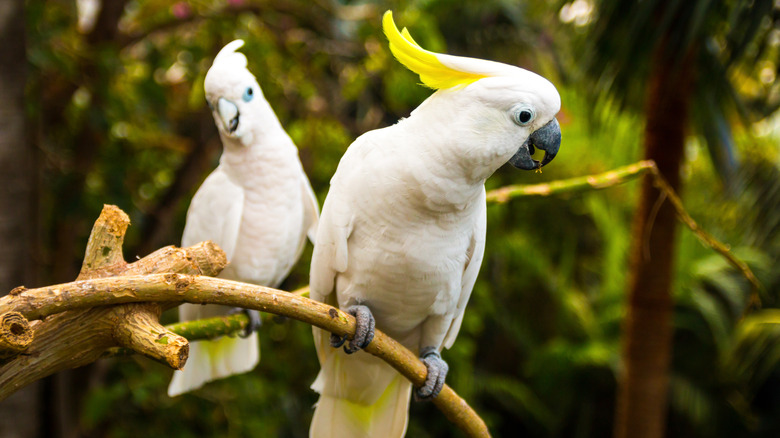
x,y
432,71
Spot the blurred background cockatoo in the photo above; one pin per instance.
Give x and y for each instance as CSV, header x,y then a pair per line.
x,y
257,205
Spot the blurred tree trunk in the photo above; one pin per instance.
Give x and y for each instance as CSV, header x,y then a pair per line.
x,y
642,399
19,414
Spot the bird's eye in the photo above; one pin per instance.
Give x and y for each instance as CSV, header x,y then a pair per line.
x,y
248,94
523,115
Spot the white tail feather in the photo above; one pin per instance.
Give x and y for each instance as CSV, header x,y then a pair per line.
x,y
212,360
360,397
387,418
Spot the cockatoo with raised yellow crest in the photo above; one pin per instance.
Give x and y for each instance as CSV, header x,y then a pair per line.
x,y
402,232
257,205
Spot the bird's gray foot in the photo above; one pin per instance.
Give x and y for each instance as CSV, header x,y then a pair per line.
x,y
437,372
364,330
255,322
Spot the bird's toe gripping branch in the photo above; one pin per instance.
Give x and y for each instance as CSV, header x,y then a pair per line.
x,y
437,373
364,330
255,321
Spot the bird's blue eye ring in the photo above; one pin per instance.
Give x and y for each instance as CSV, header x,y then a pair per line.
x,y
523,115
248,94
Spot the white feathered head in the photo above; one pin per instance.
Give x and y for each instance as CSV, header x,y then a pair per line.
x,y
526,101
235,97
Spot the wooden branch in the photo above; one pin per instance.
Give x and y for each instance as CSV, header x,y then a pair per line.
x,y
211,328
140,331
175,288
104,247
136,326
707,239
215,327
115,306
15,334
72,337
572,185
622,175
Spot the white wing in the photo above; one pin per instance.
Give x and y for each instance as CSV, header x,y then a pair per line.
x,y
335,225
330,254
476,252
215,213
329,258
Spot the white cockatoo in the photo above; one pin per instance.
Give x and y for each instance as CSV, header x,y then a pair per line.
x,y
257,205
402,231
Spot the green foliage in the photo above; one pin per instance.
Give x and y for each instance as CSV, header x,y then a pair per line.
x,y
122,119
735,61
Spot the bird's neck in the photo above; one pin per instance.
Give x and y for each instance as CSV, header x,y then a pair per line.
x,y
266,158
430,178
459,139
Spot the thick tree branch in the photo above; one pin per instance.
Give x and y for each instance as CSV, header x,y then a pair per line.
x,y
140,331
104,247
136,326
175,288
75,338
15,334
212,328
114,304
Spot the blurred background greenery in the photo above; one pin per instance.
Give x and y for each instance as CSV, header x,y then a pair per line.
x,y
116,114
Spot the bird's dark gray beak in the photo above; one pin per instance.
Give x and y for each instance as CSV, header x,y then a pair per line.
x,y
546,138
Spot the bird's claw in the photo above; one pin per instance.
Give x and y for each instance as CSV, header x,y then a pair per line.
x,y
255,322
337,341
437,372
364,330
